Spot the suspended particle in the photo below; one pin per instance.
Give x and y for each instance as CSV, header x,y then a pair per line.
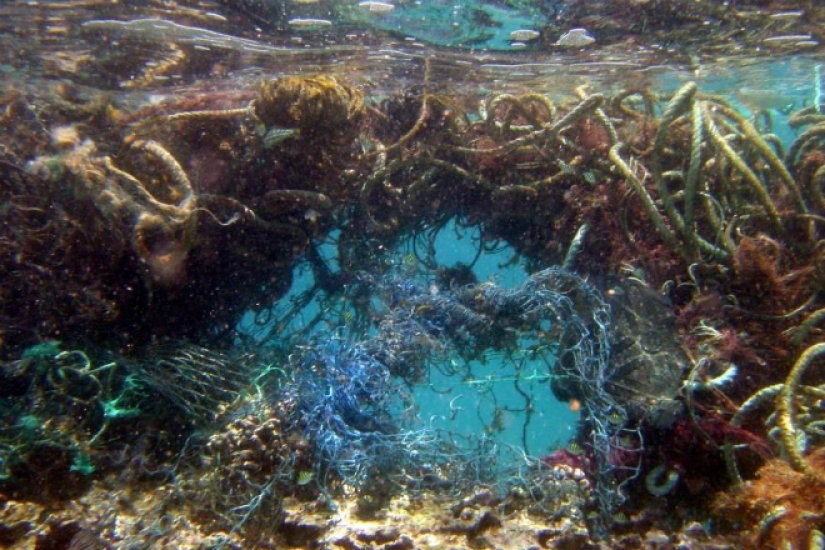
x,y
524,35
788,14
787,38
312,216
377,7
309,23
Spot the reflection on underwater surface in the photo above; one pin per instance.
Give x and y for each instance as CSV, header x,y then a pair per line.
x,y
325,274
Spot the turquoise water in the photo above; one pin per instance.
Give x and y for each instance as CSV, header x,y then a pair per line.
x,y
479,400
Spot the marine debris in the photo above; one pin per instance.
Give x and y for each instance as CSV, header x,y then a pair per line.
x,y
675,248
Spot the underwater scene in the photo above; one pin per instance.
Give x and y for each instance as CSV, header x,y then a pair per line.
x,y
412,274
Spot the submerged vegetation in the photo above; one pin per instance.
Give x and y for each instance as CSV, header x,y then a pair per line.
x,y
676,301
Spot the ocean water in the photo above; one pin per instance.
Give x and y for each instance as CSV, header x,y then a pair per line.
x,y
411,274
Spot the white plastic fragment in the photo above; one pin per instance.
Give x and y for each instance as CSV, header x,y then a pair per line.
x,y
309,23
524,35
787,38
787,14
575,38
377,7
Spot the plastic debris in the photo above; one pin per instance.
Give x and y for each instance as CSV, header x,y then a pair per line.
x,y
575,38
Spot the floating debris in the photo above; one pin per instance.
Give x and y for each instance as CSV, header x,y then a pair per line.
x,y
171,32
787,15
65,136
788,38
524,35
309,23
575,38
377,7
764,98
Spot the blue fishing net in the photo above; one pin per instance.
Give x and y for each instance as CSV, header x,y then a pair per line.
x,y
354,388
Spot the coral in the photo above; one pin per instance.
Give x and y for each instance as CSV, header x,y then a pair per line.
x,y
250,466
260,476
575,458
780,507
